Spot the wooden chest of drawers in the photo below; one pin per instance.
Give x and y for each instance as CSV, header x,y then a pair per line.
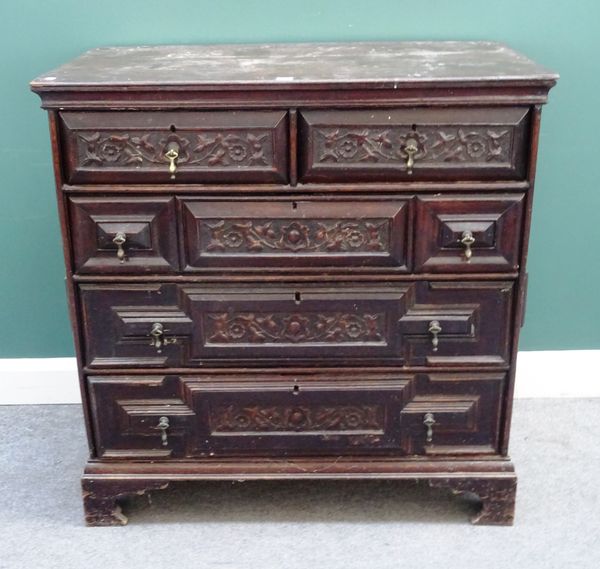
x,y
296,261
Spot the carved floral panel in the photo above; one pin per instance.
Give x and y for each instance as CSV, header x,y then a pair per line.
x,y
281,236
253,418
295,328
472,144
207,149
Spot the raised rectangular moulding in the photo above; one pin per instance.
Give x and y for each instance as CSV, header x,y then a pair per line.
x,y
274,413
175,147
467,234
124,235
414,323
288,234
414,144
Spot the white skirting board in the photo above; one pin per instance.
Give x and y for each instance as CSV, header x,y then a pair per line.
x,y
567,373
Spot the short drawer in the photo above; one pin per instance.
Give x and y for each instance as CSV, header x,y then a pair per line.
x,y
175,147
414,144
124,235
293,414
413,323
289,234
468,233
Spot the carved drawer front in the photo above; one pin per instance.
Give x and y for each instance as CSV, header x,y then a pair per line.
x,y
468,233
175,147
277,233
298,415
453,413
124,235
419,144
345,411
423,323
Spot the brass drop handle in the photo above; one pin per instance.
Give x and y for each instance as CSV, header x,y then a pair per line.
x,y
434,329
172,155
429,421
468,240
157,333
411,149
119,240
163,425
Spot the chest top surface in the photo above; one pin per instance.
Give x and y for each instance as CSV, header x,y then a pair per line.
x,y
379,64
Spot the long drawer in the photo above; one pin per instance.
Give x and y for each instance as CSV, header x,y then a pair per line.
x,y
287,414
189,325
449,233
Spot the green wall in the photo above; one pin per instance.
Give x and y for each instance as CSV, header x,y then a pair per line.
x,y
563,306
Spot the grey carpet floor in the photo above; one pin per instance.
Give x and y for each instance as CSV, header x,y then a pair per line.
x,y
303,524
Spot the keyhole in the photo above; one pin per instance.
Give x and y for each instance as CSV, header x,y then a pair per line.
x,y
295,390
297,297
172,128
294,205
414,127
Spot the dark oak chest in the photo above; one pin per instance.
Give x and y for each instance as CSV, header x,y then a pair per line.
x,y
296,261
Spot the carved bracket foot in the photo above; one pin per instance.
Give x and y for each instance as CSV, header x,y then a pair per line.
x,y
497,496
101,498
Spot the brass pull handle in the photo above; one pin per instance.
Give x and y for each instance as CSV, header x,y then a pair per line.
x,y
429,421
468,240
163,425
119,240
434,329
157,335
411,149
172,155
